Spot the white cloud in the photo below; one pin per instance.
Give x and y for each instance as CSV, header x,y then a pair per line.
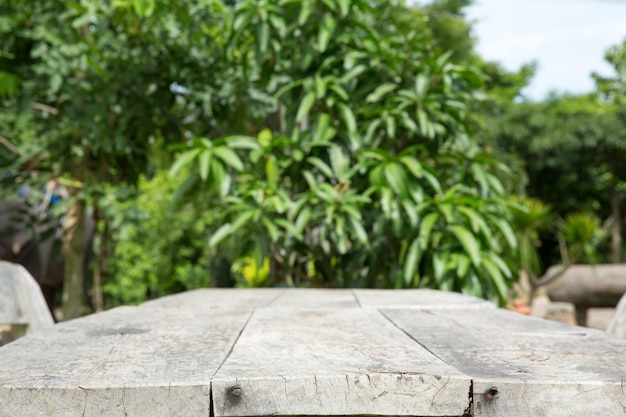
x,y
567,38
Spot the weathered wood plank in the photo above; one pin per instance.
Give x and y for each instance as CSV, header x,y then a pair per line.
x,y
419,299
318,298
219,299
300,352
334,362
549,398
149,401
617,325
21,300
540,368
600,285
230,298
127,361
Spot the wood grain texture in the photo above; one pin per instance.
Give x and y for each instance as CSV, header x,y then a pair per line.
x,y
319,298
617,325
151,361
421,299
21,300
541,368
148,401
313,352
230,298
334,362
600,285
218,299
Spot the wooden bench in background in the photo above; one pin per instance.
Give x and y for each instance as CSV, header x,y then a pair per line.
x,y
617,325
23,308
218,352
588,286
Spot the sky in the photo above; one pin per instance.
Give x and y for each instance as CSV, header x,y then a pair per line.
x,y
567,39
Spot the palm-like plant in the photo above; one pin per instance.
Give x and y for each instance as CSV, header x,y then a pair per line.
x,y
579,236
529,216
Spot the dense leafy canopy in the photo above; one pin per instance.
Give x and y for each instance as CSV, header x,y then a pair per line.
x,y
363,171
613,88
572,148
575,142
94,92
311,142
97,88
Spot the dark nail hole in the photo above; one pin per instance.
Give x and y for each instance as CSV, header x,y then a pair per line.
x,y
491,393
236,391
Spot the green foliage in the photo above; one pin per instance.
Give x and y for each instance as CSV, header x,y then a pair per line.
x,y
450,29
248,272
571,148
97,90
574,142
503,86
582,235
614,88
364,171
157,251
530,217
333,140
100,86
9,84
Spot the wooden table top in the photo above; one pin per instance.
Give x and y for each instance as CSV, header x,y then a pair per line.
x,y
227,352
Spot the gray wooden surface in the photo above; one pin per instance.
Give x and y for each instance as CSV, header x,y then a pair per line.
x,y
21,300
617,325
599,285
315,352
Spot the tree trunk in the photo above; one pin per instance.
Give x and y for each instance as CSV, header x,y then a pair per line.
x,y
74,251
616,228
101,270
536,283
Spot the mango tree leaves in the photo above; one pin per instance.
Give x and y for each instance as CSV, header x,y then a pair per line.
x,y
366,171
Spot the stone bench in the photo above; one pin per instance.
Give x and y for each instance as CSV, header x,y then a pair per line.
x,y
23,308
588,286
288,352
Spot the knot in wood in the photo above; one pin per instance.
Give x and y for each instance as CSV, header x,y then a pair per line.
x,y
491,393
236,392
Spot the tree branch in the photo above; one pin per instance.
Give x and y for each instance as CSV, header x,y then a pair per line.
x,y
546,279
563,250
535,282
45,108
11,146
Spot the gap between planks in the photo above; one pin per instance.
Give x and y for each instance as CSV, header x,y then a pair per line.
x,y
232,347
356,299
415,340
467,412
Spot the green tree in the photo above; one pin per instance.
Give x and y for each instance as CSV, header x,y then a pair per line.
x,y
450,29
90,90
364,171
613,88
333,140
159,251
571,147
579,237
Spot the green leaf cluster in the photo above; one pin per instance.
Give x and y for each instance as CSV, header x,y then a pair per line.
x,y
571,148
363,170
334,141
158,251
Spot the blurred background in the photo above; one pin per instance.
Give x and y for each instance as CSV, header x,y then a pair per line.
x,y
149,147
